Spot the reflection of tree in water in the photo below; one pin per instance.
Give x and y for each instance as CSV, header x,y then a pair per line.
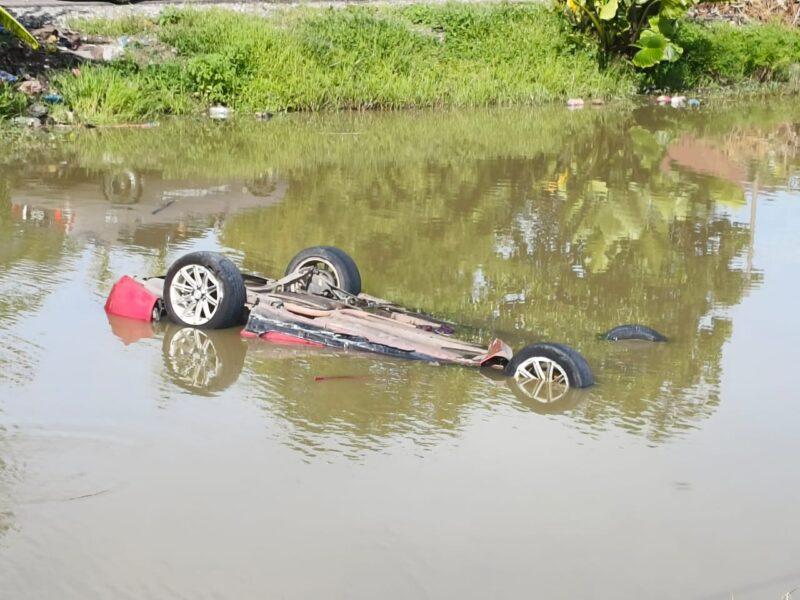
x,y
363,402
536,225
563,239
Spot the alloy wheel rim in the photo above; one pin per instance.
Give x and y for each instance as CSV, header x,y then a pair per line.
x,y
195,294
324,268
542,379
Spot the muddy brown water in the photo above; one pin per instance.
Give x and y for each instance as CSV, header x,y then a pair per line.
x,y
159,462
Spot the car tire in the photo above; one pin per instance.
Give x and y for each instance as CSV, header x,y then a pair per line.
x,y
336,260
570,361
224,285
633,332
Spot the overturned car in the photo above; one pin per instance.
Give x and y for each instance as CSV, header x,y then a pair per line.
x,y
319,303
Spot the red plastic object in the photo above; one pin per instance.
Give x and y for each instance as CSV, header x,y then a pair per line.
x,y
276,337
129,298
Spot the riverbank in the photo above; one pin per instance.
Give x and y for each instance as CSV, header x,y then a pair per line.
x,y
385,57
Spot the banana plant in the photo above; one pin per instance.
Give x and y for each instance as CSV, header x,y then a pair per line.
x,y
8,22
642,29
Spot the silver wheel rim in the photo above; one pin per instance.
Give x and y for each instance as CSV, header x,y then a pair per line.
x,y
325,269
195,294
193,357
542,379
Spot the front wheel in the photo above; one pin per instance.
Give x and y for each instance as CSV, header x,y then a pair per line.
x,y
551,368
204,290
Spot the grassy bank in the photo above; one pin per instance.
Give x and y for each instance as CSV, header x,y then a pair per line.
x,y
390,57
457,55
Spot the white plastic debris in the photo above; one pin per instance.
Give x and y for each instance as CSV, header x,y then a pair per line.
x,y
219,113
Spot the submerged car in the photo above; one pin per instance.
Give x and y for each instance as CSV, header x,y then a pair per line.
x,y
319,303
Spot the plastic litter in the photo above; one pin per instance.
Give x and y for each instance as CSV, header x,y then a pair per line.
x,y
31,87
219,113
112,51
7,77
264,116
53,98
663,99
694,102
38,110
678,101
575,103
28,122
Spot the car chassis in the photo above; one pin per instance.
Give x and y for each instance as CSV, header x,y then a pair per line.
x,y
319,303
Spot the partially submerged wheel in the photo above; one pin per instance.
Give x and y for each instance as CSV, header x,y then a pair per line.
x,y
633,332
332,263
204,290
545,371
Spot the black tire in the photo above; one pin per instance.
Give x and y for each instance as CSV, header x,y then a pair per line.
x,y
575,366
231,307
202,362
349,279
633,332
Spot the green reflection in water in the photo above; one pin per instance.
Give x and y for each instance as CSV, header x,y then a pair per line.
x,y
535,225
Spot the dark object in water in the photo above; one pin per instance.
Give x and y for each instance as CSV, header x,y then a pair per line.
x,y
633,332
339,377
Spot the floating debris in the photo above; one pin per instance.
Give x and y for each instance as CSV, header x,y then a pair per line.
x,y
678,101
575,103
340,377
7,77
219,113
694,102
663,99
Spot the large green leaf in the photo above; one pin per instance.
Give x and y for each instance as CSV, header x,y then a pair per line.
x,y
673,9
663,25
652,49
609,10
10,23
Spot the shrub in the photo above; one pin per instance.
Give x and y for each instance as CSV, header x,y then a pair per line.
x,y
643,29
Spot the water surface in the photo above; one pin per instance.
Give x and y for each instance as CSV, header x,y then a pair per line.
x,y
159,462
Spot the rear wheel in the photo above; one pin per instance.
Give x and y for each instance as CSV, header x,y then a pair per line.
x,y
332,263
547,370
204,290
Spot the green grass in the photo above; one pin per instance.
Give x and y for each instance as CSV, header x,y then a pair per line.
x,y
11,102
308,59
355,58
721,55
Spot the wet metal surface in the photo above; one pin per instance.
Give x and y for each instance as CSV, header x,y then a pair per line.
x,y
141,461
